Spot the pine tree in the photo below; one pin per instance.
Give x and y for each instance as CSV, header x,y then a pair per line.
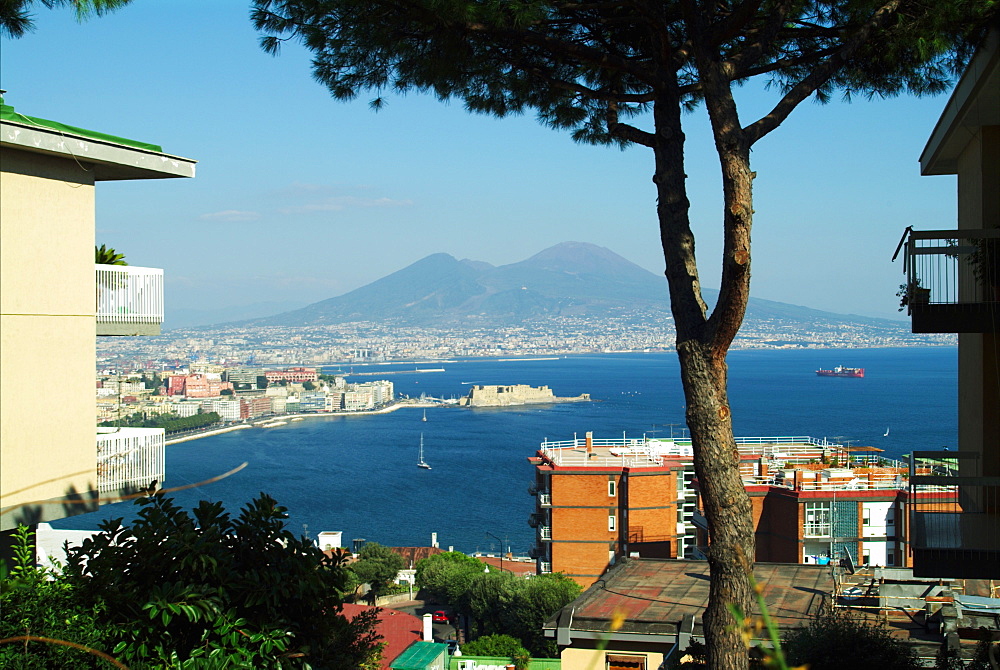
x,y
591,67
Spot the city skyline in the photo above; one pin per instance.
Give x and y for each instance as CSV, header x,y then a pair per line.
x,y
300,198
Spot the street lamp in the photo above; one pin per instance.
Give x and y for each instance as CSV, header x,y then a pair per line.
x,y
501,548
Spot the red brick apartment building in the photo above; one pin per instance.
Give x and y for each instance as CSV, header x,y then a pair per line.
x,y
598,500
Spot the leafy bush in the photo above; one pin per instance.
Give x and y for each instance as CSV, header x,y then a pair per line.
x,y
494,645
836,639
34,604
497,602
207,590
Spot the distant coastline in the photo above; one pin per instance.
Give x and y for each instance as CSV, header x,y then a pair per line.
x,y
286,417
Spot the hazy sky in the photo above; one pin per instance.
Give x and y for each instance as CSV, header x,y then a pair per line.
x,y
299,197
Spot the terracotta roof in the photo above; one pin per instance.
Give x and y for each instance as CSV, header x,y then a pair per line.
x,y
413,554
519,568
398,629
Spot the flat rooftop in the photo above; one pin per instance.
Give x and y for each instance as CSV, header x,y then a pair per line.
x,y
657,452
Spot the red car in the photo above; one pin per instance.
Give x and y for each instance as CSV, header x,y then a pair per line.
x,y
439,617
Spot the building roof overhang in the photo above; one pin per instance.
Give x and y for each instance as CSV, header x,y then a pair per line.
x,y
111,158
974,103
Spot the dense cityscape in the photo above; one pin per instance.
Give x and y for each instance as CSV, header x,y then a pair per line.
x,y
375,342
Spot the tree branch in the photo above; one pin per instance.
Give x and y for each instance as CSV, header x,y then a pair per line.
x,y
762,37
819,76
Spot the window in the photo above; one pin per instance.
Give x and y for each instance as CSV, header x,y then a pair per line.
x,y
890,557
866,517
622,662
890,517
611,488
612,522
817,522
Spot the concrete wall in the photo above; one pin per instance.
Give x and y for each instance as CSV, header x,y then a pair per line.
x,y
978,364
582,542
588,659
47,331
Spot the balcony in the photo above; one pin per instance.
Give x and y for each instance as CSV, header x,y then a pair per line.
x,y
535,519
544,568
533,489
954,516
545,499
545,533
129,459
952,280
129,300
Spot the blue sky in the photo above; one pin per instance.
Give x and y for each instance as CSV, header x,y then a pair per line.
x,y
299,197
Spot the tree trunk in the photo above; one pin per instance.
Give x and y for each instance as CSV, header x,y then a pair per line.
x,y
702,344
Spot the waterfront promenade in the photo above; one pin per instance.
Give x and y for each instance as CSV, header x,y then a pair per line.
x,y
195,435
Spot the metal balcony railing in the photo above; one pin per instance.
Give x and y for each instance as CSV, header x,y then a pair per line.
x,y
532,489
545,532
129,459
534,520
544,568
952,279
545,499
129,300
954,515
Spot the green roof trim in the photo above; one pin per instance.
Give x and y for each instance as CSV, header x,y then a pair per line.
x,y
7,113
419,656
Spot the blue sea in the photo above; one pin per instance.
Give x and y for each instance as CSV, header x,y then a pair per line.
x,y
358,474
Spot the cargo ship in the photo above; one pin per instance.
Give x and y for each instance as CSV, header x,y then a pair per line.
x,y
841,371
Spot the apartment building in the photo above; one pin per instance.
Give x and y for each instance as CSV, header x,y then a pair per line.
x,y
53,303
954,277
597,500
816,513
813,501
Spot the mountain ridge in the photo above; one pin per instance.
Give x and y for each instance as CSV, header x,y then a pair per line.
x,y
570,279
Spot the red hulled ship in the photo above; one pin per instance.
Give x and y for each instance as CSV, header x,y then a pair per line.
x,y
841,371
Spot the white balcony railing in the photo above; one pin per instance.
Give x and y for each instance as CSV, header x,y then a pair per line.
x,y
545,532
545,499
129,459
129,300
544,568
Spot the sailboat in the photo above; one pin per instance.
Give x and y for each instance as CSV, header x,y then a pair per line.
x,y
420,459
425,415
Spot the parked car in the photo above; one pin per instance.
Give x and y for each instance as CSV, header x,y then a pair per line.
x,y
439,617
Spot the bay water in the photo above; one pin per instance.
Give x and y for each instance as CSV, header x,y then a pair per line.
x,y
358,474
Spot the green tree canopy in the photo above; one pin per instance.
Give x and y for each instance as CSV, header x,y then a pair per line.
x,y
534,602
446,576
377,566
243,591
623,73
15,15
